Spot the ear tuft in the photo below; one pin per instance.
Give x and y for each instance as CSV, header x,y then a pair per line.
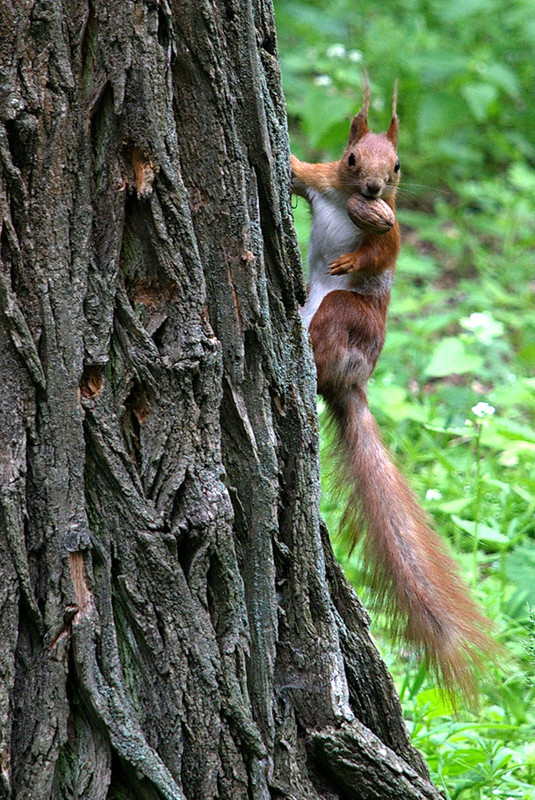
x,y
392,132
359,126
366,92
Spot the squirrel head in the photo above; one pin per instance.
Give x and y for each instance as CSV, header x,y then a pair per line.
x,y
370,164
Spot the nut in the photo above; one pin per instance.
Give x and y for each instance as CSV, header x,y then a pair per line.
x,y
370,215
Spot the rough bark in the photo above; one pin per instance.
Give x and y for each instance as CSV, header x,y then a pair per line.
x,y
173,623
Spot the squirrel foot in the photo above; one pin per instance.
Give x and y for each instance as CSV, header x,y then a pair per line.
x,y
347,262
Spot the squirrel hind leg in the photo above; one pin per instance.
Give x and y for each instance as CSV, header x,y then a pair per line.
x,y
345,349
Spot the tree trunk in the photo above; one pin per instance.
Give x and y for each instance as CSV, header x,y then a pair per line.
x,y
173,622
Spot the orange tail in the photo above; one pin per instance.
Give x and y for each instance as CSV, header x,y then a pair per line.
x,y
412,578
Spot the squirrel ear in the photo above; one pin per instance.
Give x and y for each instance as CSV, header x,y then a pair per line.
x,y
359,126
392,132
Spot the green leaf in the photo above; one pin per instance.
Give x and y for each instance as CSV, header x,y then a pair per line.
x,y
501,76
520,568
453,506
456,10
322,110
485,534
515,431
480,97
412,263
450,358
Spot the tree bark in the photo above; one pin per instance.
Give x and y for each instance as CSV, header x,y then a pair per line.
x,y
173,622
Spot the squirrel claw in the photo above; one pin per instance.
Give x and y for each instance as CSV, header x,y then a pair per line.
x,y
344,264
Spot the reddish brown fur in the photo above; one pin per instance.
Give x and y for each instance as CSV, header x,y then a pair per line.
x,y
347,334
375,254
411,576
320,177
414,580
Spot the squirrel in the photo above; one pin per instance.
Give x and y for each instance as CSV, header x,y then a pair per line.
x,y
411,577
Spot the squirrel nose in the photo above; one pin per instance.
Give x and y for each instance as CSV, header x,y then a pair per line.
x,y
374,187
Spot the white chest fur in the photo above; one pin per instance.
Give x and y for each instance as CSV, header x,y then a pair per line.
x,y
332,234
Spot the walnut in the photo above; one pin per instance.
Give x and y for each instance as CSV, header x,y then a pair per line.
x,y
370,215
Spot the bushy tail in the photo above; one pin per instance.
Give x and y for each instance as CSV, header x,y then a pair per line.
x,y
412,578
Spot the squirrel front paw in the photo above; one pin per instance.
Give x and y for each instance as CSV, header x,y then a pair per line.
x,y
298,174
347,262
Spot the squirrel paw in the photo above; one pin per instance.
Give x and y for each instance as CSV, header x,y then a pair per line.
x,y
348,262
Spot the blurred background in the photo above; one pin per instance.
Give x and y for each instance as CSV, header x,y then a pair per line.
x,y
454,392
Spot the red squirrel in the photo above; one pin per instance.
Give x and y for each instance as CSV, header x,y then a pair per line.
x,y
412,578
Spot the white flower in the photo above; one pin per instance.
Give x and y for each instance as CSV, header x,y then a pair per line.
x,y
433,494
484,326
322,80
482,409
509,459
476,320
355,56
336,51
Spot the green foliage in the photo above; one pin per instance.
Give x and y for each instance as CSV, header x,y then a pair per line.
x,y
466,72
453,391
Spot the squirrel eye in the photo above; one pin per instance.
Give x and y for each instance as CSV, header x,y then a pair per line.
x,y
351,160
396,166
